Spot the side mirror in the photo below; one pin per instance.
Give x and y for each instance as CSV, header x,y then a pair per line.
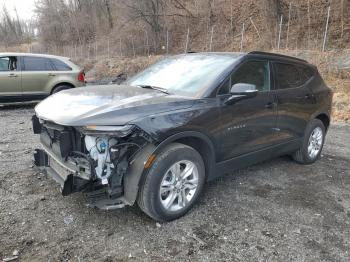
x,y
247,90
241,91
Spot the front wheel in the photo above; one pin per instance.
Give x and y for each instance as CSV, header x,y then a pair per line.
x,y
313,142
173,184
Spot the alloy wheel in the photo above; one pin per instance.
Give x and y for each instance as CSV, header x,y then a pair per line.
x,y
315,142
179,185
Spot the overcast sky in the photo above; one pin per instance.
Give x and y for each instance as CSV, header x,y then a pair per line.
x,y
24,7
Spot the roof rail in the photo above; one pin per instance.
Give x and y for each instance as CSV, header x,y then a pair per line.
x,y
277,55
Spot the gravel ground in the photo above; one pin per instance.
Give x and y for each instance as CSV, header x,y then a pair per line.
x,y
274,211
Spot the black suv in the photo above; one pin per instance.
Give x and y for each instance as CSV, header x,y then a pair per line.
x,y
158,137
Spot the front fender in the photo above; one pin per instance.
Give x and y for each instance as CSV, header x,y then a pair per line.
x,y
137,171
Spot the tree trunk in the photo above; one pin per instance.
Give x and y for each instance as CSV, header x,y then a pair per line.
x,y
110,18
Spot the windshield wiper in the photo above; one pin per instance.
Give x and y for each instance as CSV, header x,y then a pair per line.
x,y
156,88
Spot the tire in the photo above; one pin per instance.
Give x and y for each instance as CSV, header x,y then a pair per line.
x,y
304,155
174,158
60,88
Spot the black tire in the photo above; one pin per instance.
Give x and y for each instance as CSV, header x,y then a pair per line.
x,y
60,88
302,156
149,199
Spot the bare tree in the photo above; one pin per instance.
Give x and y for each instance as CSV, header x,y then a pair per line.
x,y
63,24
14,31
149,12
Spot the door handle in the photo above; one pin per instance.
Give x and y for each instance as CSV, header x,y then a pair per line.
x,y
51,74
270,105
307,96
12,75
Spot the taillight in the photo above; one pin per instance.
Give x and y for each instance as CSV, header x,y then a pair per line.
x,y
81,77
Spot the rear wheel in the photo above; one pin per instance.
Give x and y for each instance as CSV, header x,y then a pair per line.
x,y
60,88
173,184
313,142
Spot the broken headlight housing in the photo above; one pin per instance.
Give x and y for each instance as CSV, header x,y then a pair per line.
x,y
118,131
107,147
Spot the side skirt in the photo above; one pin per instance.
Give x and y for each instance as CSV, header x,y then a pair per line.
x,y
22,98
255,157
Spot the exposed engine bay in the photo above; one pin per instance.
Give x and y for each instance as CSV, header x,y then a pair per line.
x,y
100,150
83,159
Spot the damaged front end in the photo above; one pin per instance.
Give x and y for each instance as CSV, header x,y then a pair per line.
x,y
97,160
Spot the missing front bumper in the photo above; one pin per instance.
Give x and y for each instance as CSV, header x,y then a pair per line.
x,y
63,176
98,195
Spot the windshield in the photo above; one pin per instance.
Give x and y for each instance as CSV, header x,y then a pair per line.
x,y
186,75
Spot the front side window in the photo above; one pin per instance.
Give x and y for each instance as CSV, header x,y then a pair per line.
x,y
37,64
187,75
253,72
8,63
288,76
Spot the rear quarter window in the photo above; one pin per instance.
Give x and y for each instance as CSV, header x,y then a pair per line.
x,y
60,65
306,72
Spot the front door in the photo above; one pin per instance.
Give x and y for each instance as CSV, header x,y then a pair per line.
x,y
10,80
249,124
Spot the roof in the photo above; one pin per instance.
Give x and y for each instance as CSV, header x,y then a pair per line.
x,y
31,54
240,54
277,55
235,54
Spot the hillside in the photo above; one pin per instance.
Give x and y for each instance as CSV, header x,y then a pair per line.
x,y
143,27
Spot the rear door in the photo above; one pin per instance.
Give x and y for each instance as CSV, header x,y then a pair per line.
x,y
36,75
10,79
295,100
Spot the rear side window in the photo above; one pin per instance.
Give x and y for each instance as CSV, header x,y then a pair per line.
x,y
288,76
59,65
37,64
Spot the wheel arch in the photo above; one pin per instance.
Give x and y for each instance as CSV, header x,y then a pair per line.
x,y
325,119
61,84
139,169
200,142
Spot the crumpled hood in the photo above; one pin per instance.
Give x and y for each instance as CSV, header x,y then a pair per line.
x,y
107,105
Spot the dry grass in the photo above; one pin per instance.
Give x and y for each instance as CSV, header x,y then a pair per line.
x,y
23,48
112,67
341,98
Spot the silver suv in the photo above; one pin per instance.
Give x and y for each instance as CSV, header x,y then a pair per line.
x,y
26,77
